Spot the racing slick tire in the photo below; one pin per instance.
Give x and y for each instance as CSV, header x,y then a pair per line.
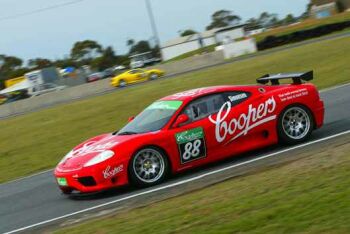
x,y
122,83
295,124
149,166
153,76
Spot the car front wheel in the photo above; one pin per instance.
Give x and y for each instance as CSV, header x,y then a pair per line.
x,y
122,83
149,166
295,124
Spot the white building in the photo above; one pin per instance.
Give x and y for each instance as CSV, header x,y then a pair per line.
x,y
182,45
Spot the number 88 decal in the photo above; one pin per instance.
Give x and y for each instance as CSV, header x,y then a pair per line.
x,y
192,149
191,145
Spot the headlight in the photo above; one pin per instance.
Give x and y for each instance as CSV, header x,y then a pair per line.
x,y
100,158
69,155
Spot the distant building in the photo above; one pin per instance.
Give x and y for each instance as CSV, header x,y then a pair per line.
x,y
182,45
326,8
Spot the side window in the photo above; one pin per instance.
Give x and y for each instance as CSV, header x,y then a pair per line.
x,y
204,107
236,97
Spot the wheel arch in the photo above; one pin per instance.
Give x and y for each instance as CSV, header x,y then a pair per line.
x,y
299,104
165,153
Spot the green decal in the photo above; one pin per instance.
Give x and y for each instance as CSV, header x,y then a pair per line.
x,y
62,181
189,135
168,105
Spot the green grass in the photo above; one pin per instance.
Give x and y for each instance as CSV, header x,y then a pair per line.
x,y
37,141
306,24
310,195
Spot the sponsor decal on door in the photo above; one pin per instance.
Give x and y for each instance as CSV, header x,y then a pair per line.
x,y
228,129
191,145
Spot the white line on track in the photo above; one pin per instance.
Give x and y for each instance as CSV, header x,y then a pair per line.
x,y
48,170
180,182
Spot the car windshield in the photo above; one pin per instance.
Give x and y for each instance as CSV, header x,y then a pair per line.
x,y
153,118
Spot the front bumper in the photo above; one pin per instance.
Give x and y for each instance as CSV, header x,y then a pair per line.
x,y
92,179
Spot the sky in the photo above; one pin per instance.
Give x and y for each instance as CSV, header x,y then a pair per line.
x,y
51,33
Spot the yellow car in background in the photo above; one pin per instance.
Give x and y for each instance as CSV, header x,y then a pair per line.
x,y
135,75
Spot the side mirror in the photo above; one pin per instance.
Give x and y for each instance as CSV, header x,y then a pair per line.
x,y
181,119
131,119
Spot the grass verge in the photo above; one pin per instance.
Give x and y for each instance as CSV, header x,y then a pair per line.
x,y
306,24
37,141
309,195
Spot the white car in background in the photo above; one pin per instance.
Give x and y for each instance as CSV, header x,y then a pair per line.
x,y
44,88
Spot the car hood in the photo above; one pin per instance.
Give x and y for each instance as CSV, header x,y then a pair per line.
x,y
87,150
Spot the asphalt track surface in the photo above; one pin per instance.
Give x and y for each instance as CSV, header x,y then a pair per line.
x,y
35,202
242,58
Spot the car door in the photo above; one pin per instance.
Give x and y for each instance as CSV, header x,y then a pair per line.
x,y
244,122
141,75
131,76
194,139
135,75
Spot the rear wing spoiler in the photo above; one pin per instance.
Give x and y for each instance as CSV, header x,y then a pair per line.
x,y
296,77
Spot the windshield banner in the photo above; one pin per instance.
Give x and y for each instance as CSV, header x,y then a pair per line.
x,y
167,105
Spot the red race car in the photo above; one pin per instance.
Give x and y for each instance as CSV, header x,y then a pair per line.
x,y
192,128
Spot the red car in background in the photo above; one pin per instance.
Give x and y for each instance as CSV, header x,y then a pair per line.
x,y
193,128
94,77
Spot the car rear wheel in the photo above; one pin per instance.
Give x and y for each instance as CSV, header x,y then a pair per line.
x,y
153,76
295,124
122,83
149,166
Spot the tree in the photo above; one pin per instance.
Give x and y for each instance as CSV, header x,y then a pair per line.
x,y
252,23
130,42
39,63
267,20
275,22
187,32
140,47
107,60
86,50
10,62
67,62
10,67
223,18
290,19
306,14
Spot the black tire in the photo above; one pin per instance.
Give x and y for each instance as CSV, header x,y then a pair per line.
x,y
122,83
137,172
67,191
153,76
295,124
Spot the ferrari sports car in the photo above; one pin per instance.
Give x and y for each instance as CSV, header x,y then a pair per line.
x,y
193,128
135,75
